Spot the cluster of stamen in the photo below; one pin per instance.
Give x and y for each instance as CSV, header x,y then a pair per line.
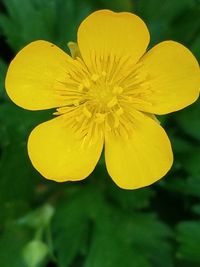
x,y
104,96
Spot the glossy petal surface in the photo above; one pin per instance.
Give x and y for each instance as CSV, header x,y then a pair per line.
x,y
140,160
105,33
172,78
34,73
58,153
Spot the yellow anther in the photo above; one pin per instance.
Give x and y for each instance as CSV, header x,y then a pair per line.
x,y
86,83
119,112
140,77
107,127
117,90
78,119
144,84
80,87
100,117
95,77
129,98
104,73
116,123
112,102
76,103
86,112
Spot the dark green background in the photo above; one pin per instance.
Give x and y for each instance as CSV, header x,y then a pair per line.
x,y
94,223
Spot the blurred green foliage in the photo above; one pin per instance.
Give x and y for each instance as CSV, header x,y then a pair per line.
x,y
93,223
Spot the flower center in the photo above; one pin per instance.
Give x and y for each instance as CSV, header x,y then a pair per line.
x,y
105,96
100,92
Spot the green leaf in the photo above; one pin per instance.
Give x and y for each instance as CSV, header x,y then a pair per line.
x,y
188,120
188,237
111,248
196,209
3,67
149,235
189,186
39,218
195,46
129,240
70,227
17,176
191,26
70,14
181,145
32,19
166,10
85,215
160,22
117,5
55,20
131,200
191,162
12,241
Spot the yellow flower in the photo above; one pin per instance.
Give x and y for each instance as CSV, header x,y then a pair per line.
x,y
105,95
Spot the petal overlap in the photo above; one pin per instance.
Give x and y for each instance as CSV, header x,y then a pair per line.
x,y
106,94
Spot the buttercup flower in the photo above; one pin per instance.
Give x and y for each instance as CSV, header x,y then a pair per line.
x,y
106,95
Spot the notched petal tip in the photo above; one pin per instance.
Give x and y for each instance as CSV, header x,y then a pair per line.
x,y
108,33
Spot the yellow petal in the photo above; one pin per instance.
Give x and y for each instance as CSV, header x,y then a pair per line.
x,y
140,160
59,154
173,76
32,75
108,33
